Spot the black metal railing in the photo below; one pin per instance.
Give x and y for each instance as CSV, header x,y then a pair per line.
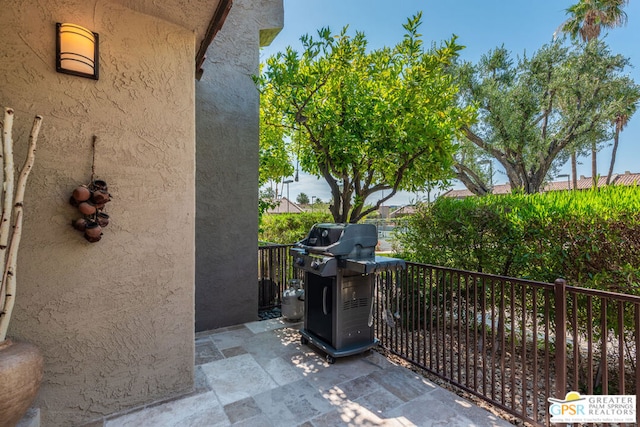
x,y
513,343
275,269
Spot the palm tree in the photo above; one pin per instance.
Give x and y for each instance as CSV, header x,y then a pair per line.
x,y
619,122
574,168
587,18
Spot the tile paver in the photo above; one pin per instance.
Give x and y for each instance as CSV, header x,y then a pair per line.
x,y
258,374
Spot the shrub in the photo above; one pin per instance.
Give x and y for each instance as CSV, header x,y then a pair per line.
x,y
591,238
289,228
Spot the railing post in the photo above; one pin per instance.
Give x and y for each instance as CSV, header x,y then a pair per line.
x,y
561,337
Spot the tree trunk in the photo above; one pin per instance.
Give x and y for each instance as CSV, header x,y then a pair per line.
x,y
470,179
594,165
574,172
614,151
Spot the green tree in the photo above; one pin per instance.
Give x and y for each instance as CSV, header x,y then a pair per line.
x,y
534,112
365,121
587,18
274,163
274,155
302,199
619,122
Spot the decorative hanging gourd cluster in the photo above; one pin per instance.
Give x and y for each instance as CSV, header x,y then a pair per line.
x,y
90,201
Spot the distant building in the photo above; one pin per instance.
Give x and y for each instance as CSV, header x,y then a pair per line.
x,y
461,194
627,178
283,206
584,183
403,211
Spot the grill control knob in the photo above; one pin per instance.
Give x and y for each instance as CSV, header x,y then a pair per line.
x,y
300,261
315,265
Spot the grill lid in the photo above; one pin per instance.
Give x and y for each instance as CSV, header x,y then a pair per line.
x,y
340,240
324,266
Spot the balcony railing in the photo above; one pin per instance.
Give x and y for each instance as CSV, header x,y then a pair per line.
x,y
275,269
514,343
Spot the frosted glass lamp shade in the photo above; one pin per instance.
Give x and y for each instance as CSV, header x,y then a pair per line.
x,y
76,51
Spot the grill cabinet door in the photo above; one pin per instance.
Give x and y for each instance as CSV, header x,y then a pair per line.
x,y
319,306
352,311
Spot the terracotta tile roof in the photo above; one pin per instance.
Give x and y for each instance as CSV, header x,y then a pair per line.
x,y
627,178
285,205
461,194
458,194
405,210
556,186
584,183
501,189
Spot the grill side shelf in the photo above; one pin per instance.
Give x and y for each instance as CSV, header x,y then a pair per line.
x,y
379,263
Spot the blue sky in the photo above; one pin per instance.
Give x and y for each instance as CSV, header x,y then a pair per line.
x,y
522,26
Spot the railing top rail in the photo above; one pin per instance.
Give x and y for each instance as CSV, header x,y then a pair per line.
x,y
549,286
569,289
266,245
486,275
605,294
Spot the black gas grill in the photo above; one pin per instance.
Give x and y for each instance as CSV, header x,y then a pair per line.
x,y
338,261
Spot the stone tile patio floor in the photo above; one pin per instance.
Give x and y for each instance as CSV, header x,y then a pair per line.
x,y
258,374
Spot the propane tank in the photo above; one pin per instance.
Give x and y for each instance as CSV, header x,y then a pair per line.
x,y
293,301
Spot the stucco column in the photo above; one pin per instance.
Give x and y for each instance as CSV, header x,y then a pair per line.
x,y
227,118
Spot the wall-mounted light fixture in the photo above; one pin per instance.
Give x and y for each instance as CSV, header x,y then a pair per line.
x,y
76,51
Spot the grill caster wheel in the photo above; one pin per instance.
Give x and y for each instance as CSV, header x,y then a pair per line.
x,y
330,359
304,341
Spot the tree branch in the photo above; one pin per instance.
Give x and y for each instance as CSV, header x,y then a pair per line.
x,y
8,288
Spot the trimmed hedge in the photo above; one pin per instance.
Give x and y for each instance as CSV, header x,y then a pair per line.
x,y
289,228
590,238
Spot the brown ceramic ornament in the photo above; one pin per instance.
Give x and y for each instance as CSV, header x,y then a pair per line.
x,y
87,208
81,193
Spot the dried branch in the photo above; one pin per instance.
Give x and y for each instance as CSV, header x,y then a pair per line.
x,y
10,254
7,183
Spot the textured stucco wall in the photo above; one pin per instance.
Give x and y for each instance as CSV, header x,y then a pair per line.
x,y
114,319
227,112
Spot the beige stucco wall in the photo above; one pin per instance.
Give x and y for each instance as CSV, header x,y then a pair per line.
x,y
114,319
